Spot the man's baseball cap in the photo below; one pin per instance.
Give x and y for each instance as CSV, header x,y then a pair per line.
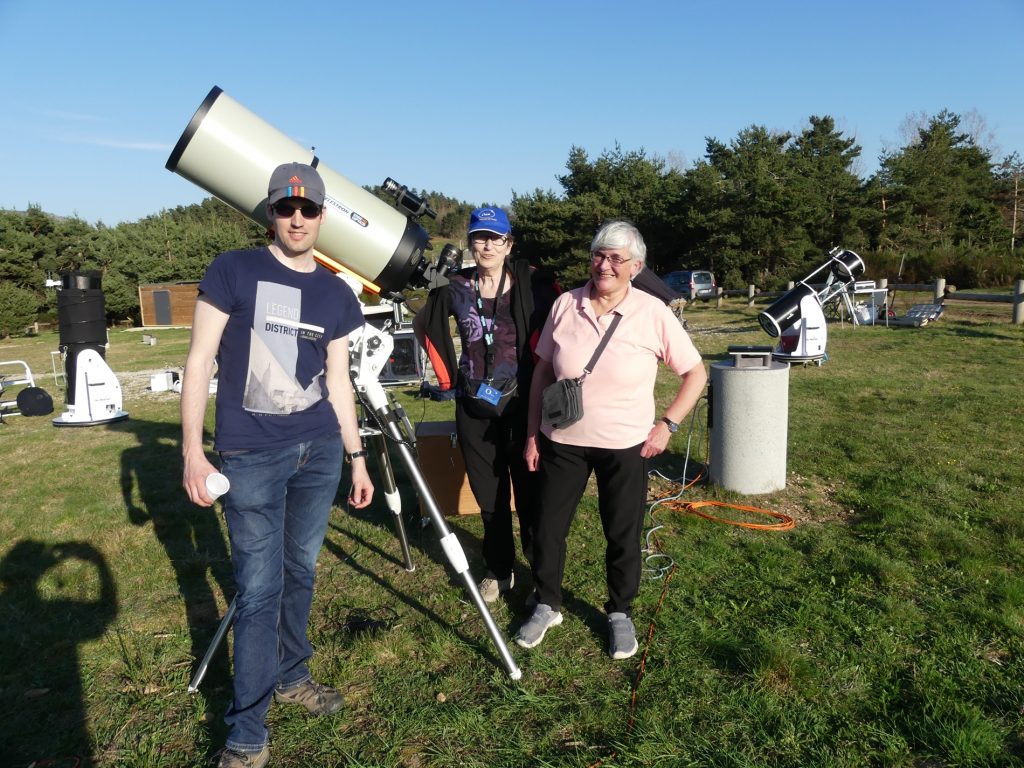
x,y
295,180
489,220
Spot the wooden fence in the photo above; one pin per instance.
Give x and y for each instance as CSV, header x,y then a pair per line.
x,y
938,289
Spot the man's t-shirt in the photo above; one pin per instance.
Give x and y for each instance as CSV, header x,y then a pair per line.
x,y
271,391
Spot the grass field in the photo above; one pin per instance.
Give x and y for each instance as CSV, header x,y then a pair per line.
x,y
885,629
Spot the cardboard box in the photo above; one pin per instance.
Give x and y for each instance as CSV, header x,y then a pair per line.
x,y
440,460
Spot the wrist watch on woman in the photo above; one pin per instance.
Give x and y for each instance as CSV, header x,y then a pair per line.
x,y
672,426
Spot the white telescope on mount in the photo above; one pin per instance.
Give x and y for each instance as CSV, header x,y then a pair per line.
x,y
797,318
231,153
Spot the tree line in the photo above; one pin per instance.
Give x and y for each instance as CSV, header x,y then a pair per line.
x,y
762,209
766,207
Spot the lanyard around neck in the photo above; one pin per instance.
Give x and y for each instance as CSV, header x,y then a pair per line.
x,y
488,325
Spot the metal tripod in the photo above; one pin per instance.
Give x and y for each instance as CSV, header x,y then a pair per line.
x,y
374,394
369,351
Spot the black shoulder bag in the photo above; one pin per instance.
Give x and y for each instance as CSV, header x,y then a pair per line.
x,y
486,398
562,402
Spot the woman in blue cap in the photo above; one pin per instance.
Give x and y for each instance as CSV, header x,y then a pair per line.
x,y
500,306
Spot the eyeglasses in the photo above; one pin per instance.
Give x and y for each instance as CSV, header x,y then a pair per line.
x,y
615,259
287,210
480,237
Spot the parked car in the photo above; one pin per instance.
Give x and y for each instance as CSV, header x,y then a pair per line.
x,y
692,283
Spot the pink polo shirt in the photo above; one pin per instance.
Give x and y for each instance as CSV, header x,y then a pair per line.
x,y
618,397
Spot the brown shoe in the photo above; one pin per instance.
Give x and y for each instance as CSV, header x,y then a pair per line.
x,y
230,758
318,699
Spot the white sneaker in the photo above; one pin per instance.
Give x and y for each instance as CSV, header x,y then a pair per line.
x,y
491,588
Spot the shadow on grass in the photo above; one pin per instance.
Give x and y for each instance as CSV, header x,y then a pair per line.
x,y
378,515
964,328
191,536
41,629
589,613
424,542
361,543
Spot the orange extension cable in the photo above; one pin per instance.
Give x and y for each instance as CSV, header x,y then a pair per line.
x,y
785,523
673,502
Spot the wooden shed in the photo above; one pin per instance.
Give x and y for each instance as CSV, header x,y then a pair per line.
x,y
168,303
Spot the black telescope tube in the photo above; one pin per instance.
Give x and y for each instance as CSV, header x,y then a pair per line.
x,y
785,312
81,321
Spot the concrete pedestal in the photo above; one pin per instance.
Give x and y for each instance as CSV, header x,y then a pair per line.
x,y
749,426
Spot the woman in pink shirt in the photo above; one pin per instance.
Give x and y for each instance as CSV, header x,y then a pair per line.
x,y
615,437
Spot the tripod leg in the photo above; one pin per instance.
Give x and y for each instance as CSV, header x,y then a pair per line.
x,y
378,445
218,638
451,545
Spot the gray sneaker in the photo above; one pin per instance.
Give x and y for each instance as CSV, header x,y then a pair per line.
x,y
532,632
621,636
230,758
318,699
491,588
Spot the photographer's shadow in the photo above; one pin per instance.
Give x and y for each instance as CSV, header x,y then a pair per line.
x,y
192,536
55,597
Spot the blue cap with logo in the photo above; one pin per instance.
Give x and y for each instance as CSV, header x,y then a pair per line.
x,y
489,220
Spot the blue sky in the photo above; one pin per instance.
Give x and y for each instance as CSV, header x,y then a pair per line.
x,y
474,100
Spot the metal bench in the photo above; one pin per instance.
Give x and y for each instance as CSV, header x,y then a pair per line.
x,y
918,315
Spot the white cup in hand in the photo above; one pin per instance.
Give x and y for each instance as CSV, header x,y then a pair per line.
x,y
217,485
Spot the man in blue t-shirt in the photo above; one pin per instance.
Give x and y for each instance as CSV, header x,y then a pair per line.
x,y
277,325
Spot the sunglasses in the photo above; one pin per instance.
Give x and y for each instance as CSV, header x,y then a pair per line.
x,y
287,210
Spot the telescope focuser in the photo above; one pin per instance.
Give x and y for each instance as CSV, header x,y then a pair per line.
x,y
413,204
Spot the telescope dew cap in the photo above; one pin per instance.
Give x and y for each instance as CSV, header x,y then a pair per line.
x,y
489,220
295,180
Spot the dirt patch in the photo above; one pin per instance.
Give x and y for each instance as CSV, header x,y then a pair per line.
x,y
808,501
811,500
137,384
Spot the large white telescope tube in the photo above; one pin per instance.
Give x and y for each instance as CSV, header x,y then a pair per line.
x,y
231,153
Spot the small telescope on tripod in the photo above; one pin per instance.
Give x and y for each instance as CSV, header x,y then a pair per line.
x,y
797,318
231,153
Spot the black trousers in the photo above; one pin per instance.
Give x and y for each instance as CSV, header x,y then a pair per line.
x,y
621,493
493,452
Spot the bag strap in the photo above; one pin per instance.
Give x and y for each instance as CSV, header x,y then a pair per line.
x,y
600,347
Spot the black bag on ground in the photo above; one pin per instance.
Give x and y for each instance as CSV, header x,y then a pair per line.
x,y
33,401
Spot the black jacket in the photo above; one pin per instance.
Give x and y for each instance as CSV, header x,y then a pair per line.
x,y
530,309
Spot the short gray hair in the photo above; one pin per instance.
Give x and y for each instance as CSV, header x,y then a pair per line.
x,y
620,234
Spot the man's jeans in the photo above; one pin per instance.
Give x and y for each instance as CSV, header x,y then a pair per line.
x,y
277,512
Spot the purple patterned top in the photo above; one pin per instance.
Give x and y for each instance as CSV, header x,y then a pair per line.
x,y
463,305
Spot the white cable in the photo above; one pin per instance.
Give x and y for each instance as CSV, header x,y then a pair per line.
x,y
658,564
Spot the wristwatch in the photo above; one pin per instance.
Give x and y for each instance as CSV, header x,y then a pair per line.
x,y
672,426
354,455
